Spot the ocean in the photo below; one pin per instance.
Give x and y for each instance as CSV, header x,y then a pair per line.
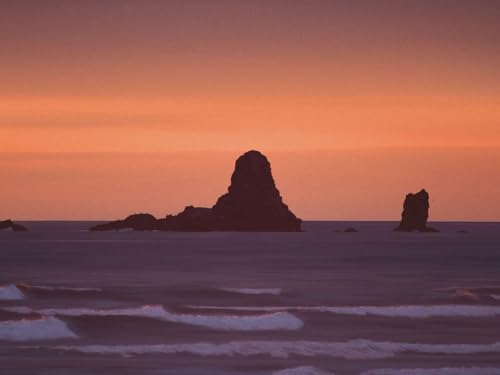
x,y
319,302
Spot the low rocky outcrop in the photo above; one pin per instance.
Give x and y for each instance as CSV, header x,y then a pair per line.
x,y
192,219
135,222
9,224
252,203
415,213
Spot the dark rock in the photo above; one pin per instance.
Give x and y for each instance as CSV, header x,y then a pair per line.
x,y
19,228
252,203
415,213
350,230
465,295
135,222
9,224
192,219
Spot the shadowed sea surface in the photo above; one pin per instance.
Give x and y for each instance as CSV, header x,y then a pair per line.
x,y
318,302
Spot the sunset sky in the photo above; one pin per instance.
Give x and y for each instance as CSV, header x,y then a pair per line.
x,y
109,107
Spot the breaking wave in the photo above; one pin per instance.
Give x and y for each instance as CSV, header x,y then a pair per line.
x,y
436,371
10,292
302,370
268,321
471,293
35,329
354,349
58,288
255,291
408,311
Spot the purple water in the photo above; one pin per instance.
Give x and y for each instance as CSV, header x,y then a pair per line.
x,y
317,302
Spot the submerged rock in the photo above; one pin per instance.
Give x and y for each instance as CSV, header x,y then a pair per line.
x,y
252,203
9,224
415,213
350,230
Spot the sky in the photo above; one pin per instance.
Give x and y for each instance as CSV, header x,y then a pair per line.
x,y
109,107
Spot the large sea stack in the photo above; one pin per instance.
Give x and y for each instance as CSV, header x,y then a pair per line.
x,y
415,213
252,203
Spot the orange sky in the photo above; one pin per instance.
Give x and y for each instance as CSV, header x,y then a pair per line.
x,y
110,107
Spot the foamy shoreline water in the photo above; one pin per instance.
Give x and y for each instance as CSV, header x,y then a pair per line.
x,y
10,292
47,328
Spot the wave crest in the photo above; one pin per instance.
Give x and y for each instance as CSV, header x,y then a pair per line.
x,y
59,288
405,311
302,370
268,321
436,371
354,349
254,291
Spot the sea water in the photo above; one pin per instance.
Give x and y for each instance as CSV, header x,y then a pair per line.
x,y
317,302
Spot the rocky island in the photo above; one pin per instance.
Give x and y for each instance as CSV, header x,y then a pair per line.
x,y
252,203
415,213
9,224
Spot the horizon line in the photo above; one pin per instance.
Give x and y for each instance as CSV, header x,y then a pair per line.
x,y
303,220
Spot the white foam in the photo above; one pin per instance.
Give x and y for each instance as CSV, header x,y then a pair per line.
x,y
417,311
495,296
354,349
10,292
60,288
302,370
35,329
273,321
405,311
436,371
256,291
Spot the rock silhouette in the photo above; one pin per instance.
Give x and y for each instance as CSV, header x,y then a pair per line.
x,y
252,203
135,222
9,224
415,213
192,219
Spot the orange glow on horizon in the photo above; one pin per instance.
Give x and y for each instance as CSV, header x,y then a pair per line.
x,y
165,124
332,91
321,185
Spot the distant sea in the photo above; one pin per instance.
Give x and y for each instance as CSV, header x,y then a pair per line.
x,y
319,302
